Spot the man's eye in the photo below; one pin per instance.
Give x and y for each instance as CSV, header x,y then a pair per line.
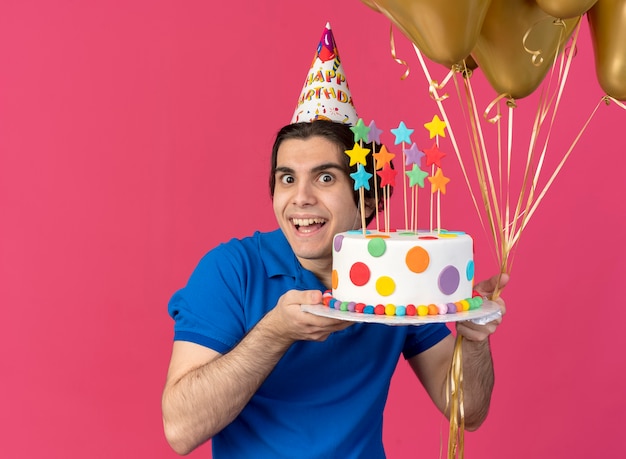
x,y
326,178
287,179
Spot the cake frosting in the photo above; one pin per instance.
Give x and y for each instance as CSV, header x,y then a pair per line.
x,y
403,272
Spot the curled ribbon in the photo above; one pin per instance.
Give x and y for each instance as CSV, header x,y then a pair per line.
x,y
463,69
537,58
392,44
434,86
510,102
608,99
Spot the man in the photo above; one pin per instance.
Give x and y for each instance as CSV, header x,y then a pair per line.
x,y
263,378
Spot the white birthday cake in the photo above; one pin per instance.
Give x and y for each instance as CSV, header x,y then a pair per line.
x,y
402,273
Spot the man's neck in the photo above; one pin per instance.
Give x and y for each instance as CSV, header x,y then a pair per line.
x,y
321,268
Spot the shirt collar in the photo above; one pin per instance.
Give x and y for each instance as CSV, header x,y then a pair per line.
x,y
276,254
279,260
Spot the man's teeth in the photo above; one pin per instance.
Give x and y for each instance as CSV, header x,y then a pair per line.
x,y
307,221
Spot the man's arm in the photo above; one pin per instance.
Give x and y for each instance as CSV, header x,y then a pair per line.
x,y
205,390
432,366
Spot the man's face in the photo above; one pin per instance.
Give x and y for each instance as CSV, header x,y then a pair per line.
x,y
313,198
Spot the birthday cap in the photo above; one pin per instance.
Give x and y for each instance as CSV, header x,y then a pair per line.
x,y
325,94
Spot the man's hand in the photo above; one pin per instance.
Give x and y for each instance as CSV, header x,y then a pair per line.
x,y
288,321
475,332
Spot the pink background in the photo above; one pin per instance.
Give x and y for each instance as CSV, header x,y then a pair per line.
x,y
135,136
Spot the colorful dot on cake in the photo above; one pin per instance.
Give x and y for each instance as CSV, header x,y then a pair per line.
x,y
385,286
334,279
449,280
358,231
338,242
469,270
382,236
376,247
474,303
417,259
390,309
359,274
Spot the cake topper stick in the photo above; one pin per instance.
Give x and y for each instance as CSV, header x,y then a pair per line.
x,y
373,137
361,133
361,177
438,182
374,153
403,135
383,165
414,207
361,183
375,192
387,177
413,156
433,159
436,128
404,189
416,179
362,201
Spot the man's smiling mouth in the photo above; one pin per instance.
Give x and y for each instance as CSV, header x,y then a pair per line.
x,y
307,225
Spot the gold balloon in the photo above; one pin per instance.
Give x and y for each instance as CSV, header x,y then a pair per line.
x,y
517,45
607,24
444,30
565,9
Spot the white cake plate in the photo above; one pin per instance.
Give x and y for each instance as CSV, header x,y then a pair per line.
x,y
488,311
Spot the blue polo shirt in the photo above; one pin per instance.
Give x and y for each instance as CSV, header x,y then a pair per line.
x,y
322,399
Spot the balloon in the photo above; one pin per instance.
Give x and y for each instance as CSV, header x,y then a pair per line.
x,y
444,30
607,24
500,49
565,9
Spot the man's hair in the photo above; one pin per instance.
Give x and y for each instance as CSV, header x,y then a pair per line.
x,y
337,133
